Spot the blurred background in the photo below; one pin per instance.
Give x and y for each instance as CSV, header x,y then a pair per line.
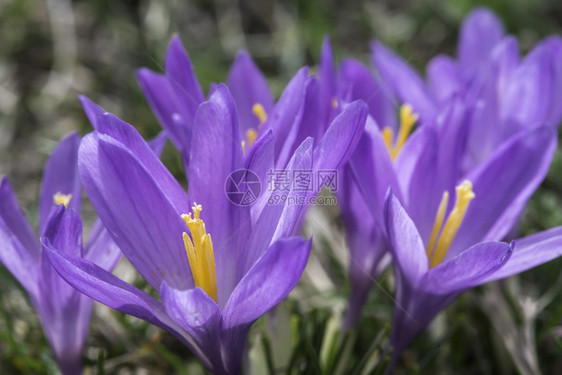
x,y
53,50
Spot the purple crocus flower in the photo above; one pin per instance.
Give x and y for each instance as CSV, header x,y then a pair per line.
x,y
419,167
504,94
423,177
175,96
216,268
297,115
338,85
63,311
427,284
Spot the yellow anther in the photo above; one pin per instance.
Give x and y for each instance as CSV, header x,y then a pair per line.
x,y
60,198
259,111
387,136
407,120
464,195
334,102
437,224
199,249
251,135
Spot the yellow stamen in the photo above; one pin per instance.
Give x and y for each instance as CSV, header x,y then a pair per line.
x,y
251,135
199,249
407,120
60,198
388,135
464,195
437,224
259,111
334,103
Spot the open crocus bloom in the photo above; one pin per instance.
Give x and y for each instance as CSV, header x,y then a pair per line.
x,y
216,268
64,312
421,166
429,278
298,114
437,225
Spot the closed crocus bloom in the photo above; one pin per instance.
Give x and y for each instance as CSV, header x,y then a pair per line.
x,y
63,311
215,266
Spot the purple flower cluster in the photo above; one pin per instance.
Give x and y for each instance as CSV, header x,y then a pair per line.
x,y
432,188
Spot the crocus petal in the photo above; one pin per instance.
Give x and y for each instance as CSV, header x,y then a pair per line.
x,y
327,82
142,218
161,97
103,287
487,94
269,281
128,136
341,138
183,80
359,223
554,44
467,269
417,164
248,87
357,82
443,77
286,111
15,220
60,176
65,312
20,250
101,249
531,251
405,242
373,170
502,192
305,124
91,109
504,59
277,220
418,303
198,315
64,231
157,143
453,123
365,242
260,161
216,152
480,32
404,81
528,96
